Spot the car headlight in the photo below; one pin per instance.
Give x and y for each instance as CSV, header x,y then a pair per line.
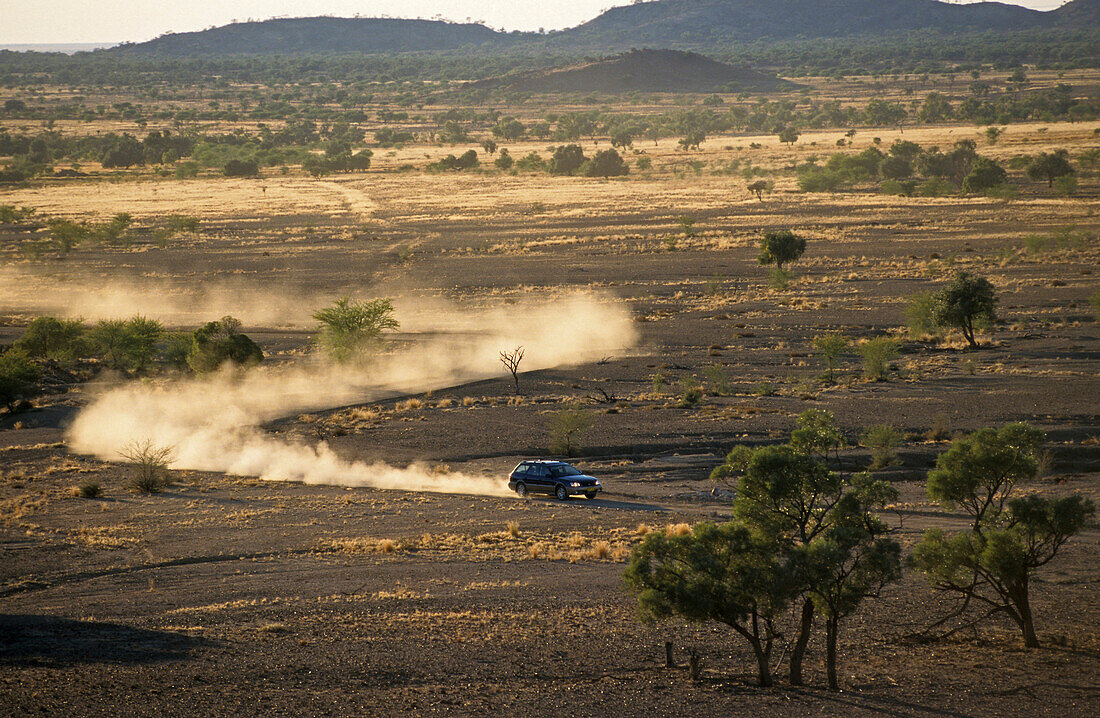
x,y
597,482
575,484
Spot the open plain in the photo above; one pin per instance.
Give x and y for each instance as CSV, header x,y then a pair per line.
x,y
229,594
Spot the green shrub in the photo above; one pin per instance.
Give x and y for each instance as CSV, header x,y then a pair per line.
x,y
644,163
182,223
187,170
919,316
532,162
1065,185
54,338
216,343
241,168
90,489
717,380
150,465
567,160
877,355
605,163
1094,302
897,188
17,375
567,425
935,187
819,179
691,393
882,440
831,347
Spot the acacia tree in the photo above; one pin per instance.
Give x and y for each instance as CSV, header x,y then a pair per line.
x,y
853,559
728,573
1050,166
781,247
347,328
963,303
1010,537
789,135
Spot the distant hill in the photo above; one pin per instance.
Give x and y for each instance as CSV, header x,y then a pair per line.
x,y
309,35
709,25
685,23
639,71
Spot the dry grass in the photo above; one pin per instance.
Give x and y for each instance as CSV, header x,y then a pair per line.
x,y
409,405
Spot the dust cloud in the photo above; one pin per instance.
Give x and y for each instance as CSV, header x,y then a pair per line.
x,y
174,302
215,423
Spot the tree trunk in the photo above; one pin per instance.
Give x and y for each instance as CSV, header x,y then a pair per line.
x,y
830,652
762,664
1023,609
799,651
968,332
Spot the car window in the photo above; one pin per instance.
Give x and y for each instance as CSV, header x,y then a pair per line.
x,y
521,469
541,471
559,471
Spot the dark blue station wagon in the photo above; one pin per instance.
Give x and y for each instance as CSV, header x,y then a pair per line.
x,y
552,477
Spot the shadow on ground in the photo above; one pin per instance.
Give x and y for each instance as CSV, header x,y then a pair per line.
x,y
53,641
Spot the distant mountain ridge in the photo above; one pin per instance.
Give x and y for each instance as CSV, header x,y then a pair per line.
x,y
709,24
307,35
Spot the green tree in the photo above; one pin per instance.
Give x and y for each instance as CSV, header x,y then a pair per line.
x,y
1050,166
728,573
985,174
127,344
567,160
241,168
349,328
831,347
758,188
505,161
509,128
789,135
693,140
606,163
221,342
781,247
1010,537
853,559
966,302
54,338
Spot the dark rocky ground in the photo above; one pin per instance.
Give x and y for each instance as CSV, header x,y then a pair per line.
x,y
228,595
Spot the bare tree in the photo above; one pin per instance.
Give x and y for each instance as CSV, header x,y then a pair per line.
x,y
511,361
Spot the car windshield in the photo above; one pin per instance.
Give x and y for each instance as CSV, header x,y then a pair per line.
x,y
564,471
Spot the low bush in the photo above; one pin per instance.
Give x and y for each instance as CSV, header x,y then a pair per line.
x,y
882,440
877,355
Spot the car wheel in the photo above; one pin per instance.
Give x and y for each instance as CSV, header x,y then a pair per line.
x,y
590,495
560,493
521,489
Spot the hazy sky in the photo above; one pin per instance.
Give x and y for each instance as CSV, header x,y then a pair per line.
x,y
62,21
